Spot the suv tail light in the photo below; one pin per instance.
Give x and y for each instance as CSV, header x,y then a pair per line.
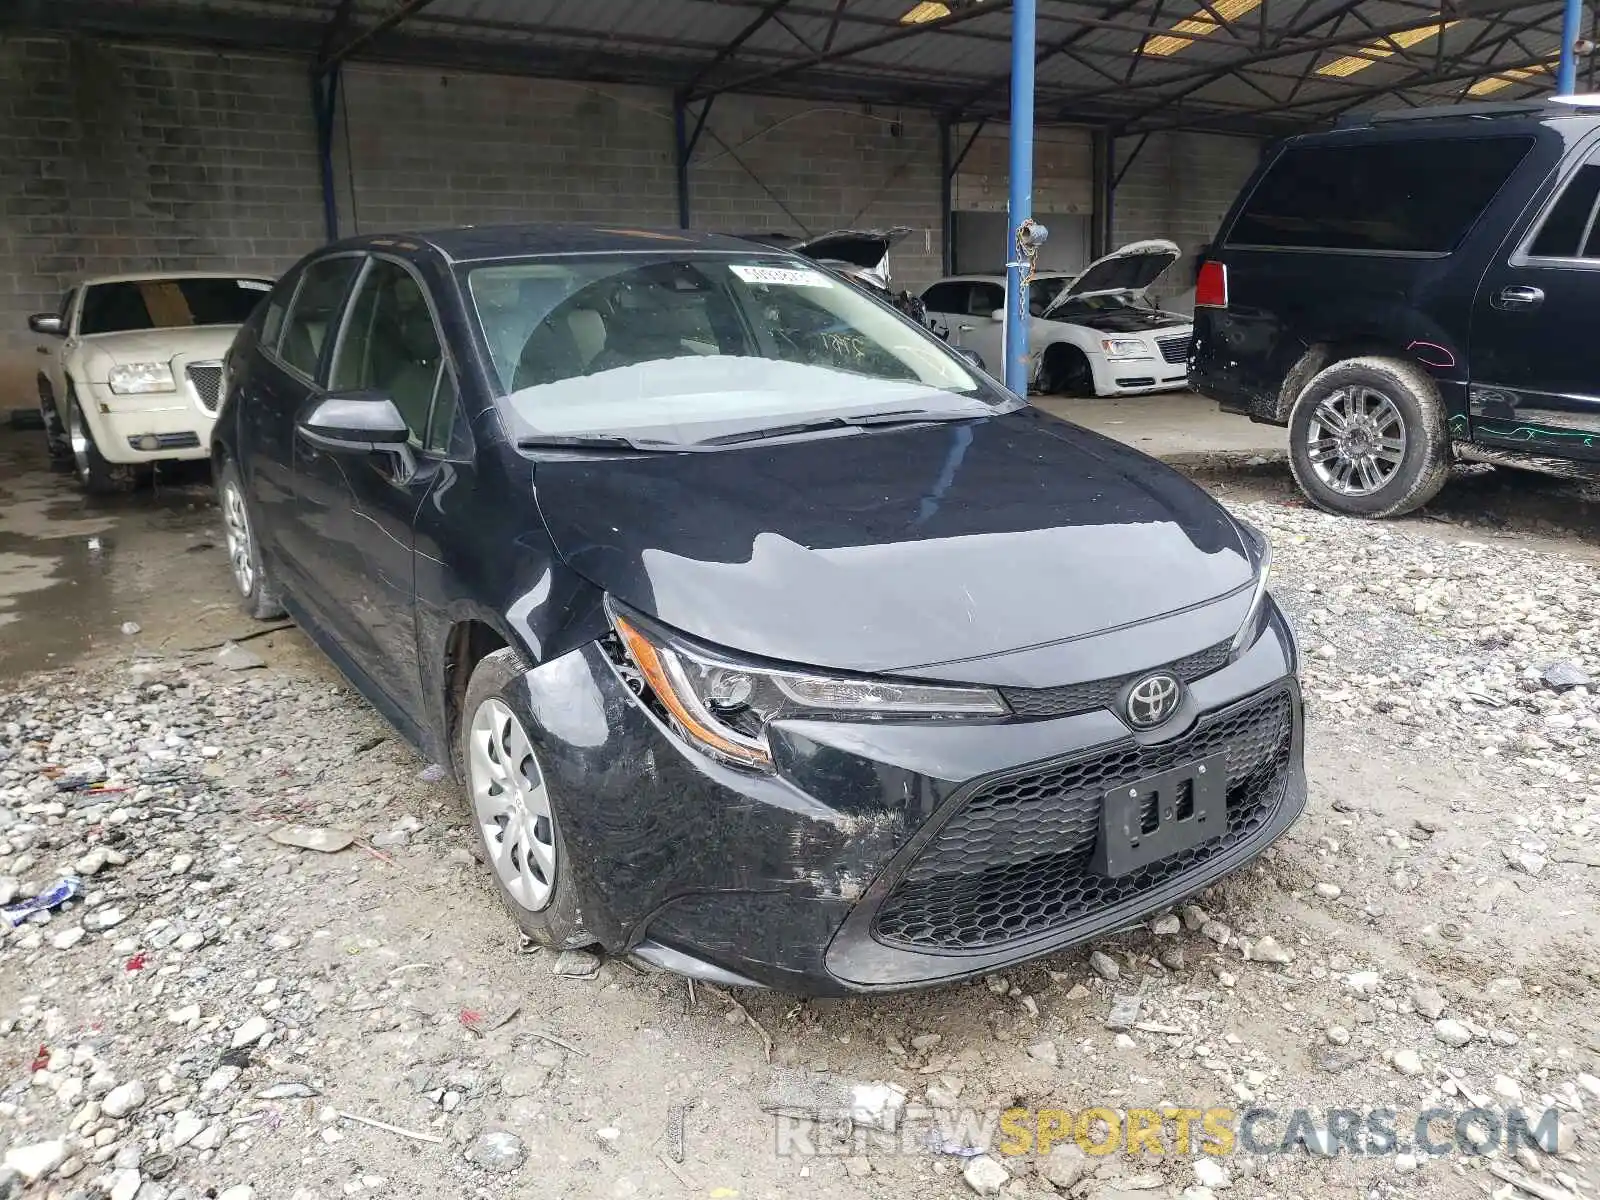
x,y
1211,288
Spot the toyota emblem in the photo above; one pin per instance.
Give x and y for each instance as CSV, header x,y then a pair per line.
x,y
1152,700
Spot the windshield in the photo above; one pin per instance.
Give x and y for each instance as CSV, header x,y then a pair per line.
x,y
1083,306
1042,293
168,303
688,349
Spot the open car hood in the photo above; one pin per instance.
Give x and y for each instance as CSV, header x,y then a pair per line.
x,y
1130,268
861,253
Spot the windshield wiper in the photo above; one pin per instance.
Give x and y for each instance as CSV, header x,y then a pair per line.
x,y
902,417
598,443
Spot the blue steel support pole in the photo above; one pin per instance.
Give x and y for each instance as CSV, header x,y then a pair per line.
x,y
1021,197
1567,71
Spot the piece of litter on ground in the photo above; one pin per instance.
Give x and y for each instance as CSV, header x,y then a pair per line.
x,y
388,1128
312,837
432,773
48,900
131,627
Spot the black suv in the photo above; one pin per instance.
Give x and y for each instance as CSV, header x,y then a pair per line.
x,y
1413,289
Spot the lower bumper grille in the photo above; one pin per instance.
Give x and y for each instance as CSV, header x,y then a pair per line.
x,y
149,442
1175,349
1014,861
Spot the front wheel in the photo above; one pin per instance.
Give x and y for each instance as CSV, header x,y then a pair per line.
x,y
1368,438
1065,371
513,815
55,429
96,474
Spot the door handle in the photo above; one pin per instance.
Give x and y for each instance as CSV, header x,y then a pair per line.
x,y
1518,296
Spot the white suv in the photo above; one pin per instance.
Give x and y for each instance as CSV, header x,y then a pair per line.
x,y
133,369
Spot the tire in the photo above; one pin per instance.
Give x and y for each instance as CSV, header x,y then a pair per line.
x,y
55,429
1400,455
250,576
1065,370
97,475
513,813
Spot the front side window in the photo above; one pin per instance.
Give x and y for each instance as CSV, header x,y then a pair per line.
x,y
687,349
129,305
986,297
1407,197
390,344
314,314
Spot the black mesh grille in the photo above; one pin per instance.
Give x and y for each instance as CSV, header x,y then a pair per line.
x,y
1175,349
1014,862
206,379
1099,693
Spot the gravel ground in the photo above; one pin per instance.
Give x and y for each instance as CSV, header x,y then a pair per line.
x,y
222,1013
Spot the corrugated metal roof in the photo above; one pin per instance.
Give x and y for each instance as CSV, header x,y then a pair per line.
x,y
1123,62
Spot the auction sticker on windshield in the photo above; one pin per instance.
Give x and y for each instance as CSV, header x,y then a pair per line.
x,y
781,276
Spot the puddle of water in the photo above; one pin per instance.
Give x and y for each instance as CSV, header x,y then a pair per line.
x,y
73,570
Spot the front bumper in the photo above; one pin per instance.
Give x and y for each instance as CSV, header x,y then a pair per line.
x,y
154,427
1136,376
834,874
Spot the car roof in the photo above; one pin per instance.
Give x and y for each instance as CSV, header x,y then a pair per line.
x,y
481,243
1454,120
158,276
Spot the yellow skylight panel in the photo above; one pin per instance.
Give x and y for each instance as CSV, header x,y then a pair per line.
x,y
1380,49
928,10
1202,24
1492,84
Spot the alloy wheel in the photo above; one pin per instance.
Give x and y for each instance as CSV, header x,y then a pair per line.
x,y
512,805
1356,440
236,525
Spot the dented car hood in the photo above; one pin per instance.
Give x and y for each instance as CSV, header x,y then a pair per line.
x,y
897,548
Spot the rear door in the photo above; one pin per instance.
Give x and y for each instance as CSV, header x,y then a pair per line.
x,y
295,339
1535,359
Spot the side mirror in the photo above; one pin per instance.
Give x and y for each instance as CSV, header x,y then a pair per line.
x,y
355,423
47,323
998,314
971,356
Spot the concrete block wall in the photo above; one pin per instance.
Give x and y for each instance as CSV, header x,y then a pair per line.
x,y
134,158
440,148
1179,187
139,157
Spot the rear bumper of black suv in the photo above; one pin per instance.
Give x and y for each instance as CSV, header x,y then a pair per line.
x,y
882,856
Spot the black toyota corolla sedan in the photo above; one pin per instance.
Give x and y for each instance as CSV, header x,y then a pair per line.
x,y
770,641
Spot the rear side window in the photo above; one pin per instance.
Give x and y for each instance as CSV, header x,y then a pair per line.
x,y
947,297
1410,197
315,313
1569,231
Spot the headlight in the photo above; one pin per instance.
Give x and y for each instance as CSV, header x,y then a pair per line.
x,y
134,378
1258,597
1125,348
724,705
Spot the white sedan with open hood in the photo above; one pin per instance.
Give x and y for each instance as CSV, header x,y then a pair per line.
x,y
1095,333
131,369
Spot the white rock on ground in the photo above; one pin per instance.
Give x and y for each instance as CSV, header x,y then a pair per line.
x,y
985,1176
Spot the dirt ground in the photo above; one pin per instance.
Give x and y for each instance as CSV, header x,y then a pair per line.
x,y
1437,901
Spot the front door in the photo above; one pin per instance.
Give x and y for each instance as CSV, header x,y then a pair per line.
x,y
361,508
1535,359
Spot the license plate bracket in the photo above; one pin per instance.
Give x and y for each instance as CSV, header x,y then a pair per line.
x,y
1191,805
